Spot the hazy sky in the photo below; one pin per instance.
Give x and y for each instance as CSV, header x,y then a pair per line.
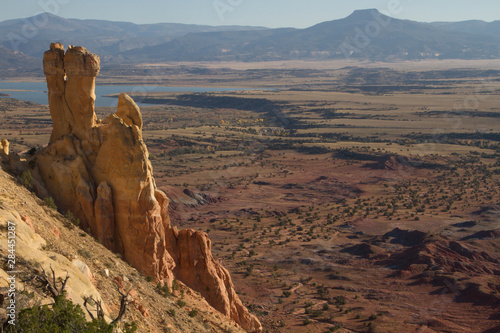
x,y
270,13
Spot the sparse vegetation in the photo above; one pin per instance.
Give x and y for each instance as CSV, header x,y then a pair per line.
x,y
62,316
27,179
85,253
163,290
49,201
70,217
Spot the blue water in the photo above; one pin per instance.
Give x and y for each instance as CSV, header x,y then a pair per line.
x,y
36,92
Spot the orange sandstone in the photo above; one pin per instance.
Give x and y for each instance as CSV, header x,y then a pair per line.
x,y
101,173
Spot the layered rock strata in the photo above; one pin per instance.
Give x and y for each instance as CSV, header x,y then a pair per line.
x,y
100,171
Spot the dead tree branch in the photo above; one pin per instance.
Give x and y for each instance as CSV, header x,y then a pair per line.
x,y
123,306
51,286
98,304
100,312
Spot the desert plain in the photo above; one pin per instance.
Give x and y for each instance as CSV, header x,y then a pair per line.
x,y
342,196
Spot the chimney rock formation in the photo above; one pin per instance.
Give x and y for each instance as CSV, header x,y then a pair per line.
x,y
101,173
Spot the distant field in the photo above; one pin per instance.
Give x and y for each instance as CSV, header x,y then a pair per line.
x,y
338,64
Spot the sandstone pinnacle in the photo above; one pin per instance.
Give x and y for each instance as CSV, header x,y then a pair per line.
x,y
101,172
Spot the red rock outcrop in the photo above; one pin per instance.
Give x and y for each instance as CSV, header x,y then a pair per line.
x,y
196,267
100,171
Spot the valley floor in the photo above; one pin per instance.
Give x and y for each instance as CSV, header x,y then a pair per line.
x,y
349,199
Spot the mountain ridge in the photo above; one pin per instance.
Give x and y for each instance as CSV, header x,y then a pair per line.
x,y
471,26
366,34
31,35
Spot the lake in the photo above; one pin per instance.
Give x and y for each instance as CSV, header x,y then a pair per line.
x,y
36,92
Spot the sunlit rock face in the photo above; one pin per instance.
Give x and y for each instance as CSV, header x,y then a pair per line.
x,y
100,171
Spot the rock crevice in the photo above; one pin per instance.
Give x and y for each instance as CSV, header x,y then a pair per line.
x,y
100,171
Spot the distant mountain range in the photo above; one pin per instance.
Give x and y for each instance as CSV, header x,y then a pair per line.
x,y
365,34
108,39
471,27
13,63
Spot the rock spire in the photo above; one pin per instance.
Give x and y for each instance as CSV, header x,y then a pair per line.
x,y
100,171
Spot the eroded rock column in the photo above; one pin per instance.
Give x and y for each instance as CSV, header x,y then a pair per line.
x,y
102,173
53,68
81,69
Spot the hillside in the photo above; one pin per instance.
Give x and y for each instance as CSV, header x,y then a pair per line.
x,y
45,239
13,62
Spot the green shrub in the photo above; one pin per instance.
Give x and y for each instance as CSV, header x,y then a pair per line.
x,y
316,313
336,327
249,271
85,253
27,179
175,285
62,316
69,216
340,300
193,313
50,202
163,290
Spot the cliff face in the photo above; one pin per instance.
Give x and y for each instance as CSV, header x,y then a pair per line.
x,y
100,171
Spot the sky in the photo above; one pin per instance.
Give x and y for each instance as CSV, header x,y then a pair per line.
x,y
268,13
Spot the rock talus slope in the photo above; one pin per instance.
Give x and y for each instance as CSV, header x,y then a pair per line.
x,y
100,171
